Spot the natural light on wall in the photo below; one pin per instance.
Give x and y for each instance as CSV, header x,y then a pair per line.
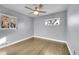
x,y
53,21
3,40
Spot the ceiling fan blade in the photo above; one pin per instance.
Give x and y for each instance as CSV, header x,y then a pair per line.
x,y
42,11
29,8
40,6
30,12
36,8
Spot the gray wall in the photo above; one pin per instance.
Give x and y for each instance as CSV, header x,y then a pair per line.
x,y
24,26
68,30
73,28
55,32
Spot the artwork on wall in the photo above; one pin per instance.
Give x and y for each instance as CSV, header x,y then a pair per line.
x,y
53,21
7,22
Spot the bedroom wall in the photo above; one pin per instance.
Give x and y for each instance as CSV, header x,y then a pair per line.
x,y
24,26
68,30
73,28
54,32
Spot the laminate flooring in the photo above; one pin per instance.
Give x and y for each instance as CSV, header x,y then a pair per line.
x,y
37,46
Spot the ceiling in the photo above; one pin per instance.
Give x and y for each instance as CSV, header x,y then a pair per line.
x,y
49,8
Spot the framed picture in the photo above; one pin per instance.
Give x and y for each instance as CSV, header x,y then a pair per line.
x,y
7,22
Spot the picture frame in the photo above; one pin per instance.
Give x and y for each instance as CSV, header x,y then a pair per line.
x,y
7,21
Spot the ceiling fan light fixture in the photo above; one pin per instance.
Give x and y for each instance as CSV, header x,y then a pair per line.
x,y
36,12
38,9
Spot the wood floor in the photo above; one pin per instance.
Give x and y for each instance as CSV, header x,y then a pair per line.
x,y
36,46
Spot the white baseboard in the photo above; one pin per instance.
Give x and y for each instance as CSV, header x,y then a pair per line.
x,y
69,48
50,39
9,44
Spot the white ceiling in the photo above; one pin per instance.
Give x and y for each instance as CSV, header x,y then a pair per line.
x,y
49,8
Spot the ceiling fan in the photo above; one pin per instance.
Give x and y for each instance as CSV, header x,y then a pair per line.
x,y
37,9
